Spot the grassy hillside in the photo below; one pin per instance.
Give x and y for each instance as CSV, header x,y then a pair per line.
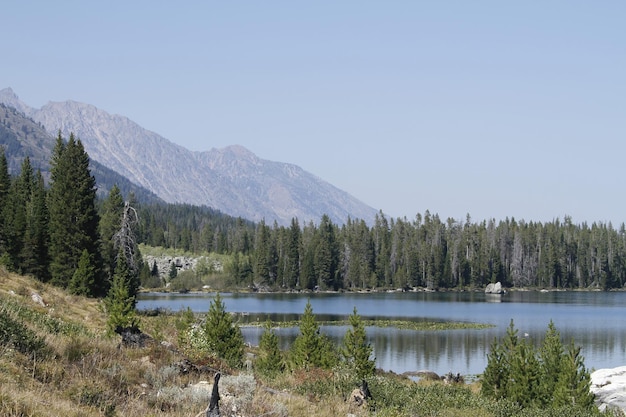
x,y
57,360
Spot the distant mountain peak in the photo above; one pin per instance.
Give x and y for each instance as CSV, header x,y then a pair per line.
x,y
231,179
9,98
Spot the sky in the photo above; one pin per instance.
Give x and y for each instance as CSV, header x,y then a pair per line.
x,y
494,109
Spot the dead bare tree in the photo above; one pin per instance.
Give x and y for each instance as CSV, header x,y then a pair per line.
x,y
125,237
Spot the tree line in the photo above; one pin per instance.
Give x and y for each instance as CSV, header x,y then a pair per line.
x,y
45,230
61,233
425,252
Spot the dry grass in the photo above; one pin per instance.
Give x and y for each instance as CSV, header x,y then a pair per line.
x,y
72,368
83,372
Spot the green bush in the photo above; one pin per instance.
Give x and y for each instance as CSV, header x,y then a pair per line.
x,y
270,359
15,335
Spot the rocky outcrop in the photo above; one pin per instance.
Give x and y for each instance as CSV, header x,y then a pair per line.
x,y
494,289
609,387
182,263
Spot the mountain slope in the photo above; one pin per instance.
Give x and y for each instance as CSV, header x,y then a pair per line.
x,y
232,180
21,136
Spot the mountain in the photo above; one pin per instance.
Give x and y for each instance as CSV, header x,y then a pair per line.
x,y
21,136
232,180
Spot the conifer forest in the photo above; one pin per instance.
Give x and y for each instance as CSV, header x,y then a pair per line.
x,y
45,230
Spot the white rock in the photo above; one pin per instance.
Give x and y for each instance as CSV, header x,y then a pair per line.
x,y
609,387
37,299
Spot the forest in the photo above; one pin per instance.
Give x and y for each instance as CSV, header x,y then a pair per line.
x,y
425,252
44,230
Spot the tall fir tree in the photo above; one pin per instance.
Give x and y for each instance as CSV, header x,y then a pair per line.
x,y
5,185
110,220
35,257
292,273
73,216
15,213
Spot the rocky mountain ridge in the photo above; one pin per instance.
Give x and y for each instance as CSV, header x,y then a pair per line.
x,y
233,179
20,136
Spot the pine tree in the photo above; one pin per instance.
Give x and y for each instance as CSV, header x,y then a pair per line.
x,y
493,381
311,349
326,255
73,217
496,380
356,350
173,271
222,335
5,185
15,215
270,360
523,386
551,359
537,378
292,270
35,258
110,221
119,302
84,276
572,387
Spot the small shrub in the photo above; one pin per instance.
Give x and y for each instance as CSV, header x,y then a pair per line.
x,y
14,334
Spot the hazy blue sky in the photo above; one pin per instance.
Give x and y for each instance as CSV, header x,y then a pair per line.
x,y
493,108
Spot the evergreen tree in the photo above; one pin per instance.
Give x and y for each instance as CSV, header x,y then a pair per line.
x,y
222,335
15,215
270,359
73,217
5,185
84,276
493,382
311,349
551,358
261,266
35,258
572,387
523,385
326,255
120,304
173,271
356,350
292,271
546,377
110,222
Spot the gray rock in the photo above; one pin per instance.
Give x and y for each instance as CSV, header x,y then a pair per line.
x,y
494,288
609,387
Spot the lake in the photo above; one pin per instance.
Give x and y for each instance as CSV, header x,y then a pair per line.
x,y
596,321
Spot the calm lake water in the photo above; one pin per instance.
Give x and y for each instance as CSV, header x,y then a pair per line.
x,y
596,321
